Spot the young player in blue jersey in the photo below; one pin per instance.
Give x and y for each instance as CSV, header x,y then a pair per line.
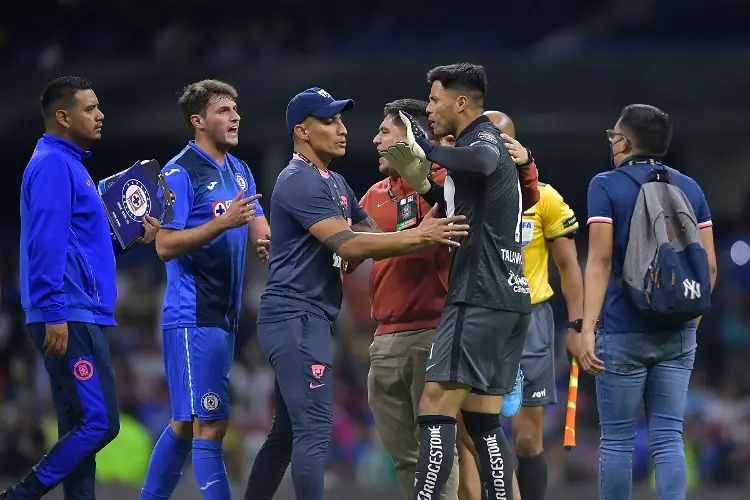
x,y
204,249
318,227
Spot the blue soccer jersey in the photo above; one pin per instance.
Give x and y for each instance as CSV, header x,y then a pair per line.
x,y
305,276
204,287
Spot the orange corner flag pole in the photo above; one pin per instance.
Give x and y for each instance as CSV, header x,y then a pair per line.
x,y
569,440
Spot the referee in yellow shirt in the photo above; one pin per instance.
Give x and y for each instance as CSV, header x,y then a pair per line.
x,y
547,228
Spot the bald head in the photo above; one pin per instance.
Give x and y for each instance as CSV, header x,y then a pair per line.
x,y
502,121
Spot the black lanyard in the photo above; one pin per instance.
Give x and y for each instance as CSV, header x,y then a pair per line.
x,y
340,199
391,194
654,163
659,172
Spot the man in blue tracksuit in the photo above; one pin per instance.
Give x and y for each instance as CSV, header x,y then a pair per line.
x,y
68,289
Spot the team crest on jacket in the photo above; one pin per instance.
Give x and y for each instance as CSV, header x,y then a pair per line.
x,y
241,181
136,199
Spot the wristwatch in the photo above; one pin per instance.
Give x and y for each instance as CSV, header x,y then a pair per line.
x,y
576,325
528,162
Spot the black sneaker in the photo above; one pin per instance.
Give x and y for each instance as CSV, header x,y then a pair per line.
x,y
3,495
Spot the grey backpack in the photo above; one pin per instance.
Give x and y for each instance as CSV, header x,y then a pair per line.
x,y
666,272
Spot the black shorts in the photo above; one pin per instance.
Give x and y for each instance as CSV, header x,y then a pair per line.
x,y
478,347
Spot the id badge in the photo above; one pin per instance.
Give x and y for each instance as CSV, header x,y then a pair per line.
x,y
407,216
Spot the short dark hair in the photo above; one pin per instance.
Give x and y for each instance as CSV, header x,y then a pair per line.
x,y
648,127
465,77
195,97
60,93
416,108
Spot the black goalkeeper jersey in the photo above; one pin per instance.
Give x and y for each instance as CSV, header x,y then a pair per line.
x,y
487,269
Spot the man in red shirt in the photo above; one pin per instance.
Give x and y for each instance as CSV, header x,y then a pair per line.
x,y
406,319
407,295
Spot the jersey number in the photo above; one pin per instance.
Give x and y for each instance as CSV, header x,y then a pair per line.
x,y
450,206
520,214
450,192
337,261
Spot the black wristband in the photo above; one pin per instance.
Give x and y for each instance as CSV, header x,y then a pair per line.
x,y
435,194
576,325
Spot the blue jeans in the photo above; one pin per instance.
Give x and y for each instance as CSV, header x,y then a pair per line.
x,y
652,370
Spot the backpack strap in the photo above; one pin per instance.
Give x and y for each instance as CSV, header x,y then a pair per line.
x,y
670,172
632,176
656,174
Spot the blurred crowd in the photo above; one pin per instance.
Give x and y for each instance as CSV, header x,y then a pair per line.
x,y
717,430
231,31
50,34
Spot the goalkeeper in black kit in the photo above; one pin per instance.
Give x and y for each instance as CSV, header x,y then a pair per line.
x,y
479,341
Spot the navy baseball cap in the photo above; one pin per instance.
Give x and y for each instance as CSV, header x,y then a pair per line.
x,y
313,102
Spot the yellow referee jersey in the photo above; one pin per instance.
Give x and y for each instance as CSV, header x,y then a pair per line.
x,y
550,218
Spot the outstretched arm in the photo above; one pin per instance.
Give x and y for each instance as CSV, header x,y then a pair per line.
x,y
336,234
480,157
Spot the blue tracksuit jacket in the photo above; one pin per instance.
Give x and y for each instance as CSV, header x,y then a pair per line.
x,y
67,259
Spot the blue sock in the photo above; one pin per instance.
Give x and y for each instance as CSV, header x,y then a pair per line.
x,y
209,469
165,468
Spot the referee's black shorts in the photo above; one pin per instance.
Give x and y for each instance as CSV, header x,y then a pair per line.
x,y
478,347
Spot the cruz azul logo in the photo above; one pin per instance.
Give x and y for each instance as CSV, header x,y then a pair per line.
x,y
241,182
136,199
219,208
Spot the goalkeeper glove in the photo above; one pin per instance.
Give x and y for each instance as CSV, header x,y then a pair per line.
x,y
416,137
411,168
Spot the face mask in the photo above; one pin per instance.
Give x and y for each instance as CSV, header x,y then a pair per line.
x,y
612,154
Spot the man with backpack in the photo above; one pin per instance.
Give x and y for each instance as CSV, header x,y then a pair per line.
x,y
649,275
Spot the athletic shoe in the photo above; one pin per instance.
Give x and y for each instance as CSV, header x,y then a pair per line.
x,y
512,402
